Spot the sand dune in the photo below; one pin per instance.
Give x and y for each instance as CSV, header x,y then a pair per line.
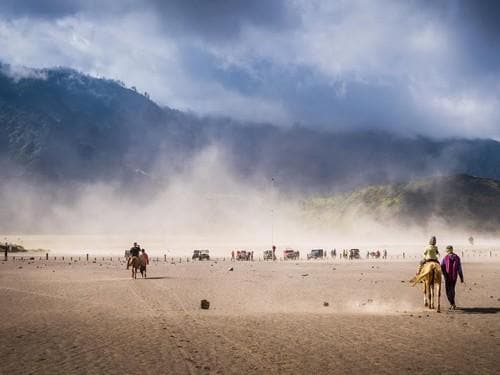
x,y
265,318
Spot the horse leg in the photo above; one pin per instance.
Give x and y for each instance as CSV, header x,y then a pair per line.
x,y
429,297
425,294
431,289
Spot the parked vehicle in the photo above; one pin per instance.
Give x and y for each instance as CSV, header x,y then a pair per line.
x,y
316,253
268,255
242,255
354,254
290,254
201,255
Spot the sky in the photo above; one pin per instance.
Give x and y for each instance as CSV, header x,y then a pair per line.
x,y
414,67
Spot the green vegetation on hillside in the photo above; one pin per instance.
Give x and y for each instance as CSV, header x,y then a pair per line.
x,y
459,201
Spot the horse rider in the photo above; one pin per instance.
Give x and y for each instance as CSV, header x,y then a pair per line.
x,y
134,252
431,254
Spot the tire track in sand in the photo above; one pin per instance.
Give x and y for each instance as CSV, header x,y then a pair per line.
x,y
184,355
194,324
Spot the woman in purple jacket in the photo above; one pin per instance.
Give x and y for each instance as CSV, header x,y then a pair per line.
x,y
452,269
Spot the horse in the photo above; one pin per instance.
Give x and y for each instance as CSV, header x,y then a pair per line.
x,y
430,275
135,263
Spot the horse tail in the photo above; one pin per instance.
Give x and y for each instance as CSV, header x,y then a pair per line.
x,y
421,276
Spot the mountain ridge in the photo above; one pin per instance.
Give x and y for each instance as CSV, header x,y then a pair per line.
x,y
61,125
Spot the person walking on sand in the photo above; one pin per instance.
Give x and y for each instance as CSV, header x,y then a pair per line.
x,y
144,260
452,269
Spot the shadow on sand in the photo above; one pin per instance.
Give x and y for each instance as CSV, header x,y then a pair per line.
x,y
479,310
157,278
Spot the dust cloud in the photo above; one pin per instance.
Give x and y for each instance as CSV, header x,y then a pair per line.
x,y
205,204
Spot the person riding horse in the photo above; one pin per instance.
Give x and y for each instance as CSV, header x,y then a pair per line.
x,y
429,272
431,254
134,252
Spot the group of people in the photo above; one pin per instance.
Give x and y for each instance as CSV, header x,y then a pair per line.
x,y
451,267
242,255
376,254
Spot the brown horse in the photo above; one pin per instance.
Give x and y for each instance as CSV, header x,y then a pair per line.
x,y
135,263
430,275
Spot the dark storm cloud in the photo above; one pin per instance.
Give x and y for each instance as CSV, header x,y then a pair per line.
x,y
223,18
478,24
485,15
207,18
39,8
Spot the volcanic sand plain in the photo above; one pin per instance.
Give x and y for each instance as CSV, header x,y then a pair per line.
x,y
293,317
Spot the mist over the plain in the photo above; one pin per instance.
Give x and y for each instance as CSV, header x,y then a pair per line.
x,y
205,204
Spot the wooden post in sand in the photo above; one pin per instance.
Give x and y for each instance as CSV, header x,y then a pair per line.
x,y
165,257
87,257
46,256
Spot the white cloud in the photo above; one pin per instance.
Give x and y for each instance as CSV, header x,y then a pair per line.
x,y
18,72
387,46
131,49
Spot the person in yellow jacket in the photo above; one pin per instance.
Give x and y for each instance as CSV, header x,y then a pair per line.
x,y
431,254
